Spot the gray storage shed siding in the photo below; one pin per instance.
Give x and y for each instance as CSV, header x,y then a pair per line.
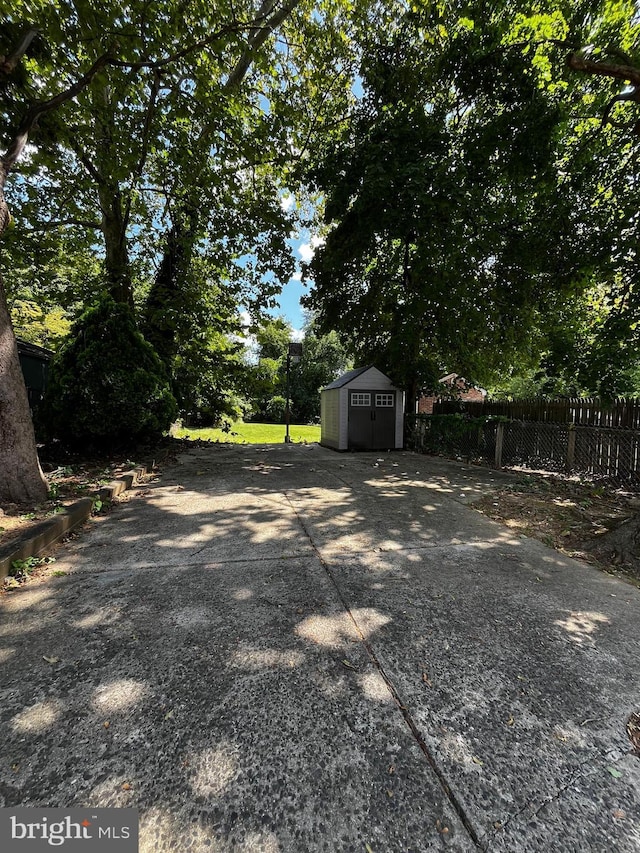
x,y
362,410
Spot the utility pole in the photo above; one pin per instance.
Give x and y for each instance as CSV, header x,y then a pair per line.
x,y
294,354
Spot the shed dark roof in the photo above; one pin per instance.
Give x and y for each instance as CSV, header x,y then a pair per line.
x,y
33,350
347,377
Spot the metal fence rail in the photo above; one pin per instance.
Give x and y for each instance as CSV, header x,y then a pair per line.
x,y
599,453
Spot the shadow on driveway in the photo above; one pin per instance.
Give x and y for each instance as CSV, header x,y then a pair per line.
x,y
288,649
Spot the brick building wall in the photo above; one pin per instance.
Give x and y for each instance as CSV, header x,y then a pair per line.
x,y
470,395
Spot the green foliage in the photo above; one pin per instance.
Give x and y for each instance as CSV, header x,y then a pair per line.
x,y
469,202
273,338
266,377
106,384
21,569
193,325
38,326
275,410
448,434
323,359
96,507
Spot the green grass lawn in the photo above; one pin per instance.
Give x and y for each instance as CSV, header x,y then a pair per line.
x,y
242,433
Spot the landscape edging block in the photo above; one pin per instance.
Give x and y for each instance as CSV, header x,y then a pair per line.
x,y
50,530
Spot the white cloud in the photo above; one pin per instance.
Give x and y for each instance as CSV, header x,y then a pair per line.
x,y
297,335
287,202
307,250
244,337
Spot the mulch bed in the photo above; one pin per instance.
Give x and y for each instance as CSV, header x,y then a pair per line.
x,y
584,520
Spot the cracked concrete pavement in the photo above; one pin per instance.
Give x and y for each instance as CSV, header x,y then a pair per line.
x,y
282,648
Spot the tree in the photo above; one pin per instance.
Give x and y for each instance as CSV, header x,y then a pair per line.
x,y
462,204
203,353
21,478
324,358
612,366
106,385
136,91
265,378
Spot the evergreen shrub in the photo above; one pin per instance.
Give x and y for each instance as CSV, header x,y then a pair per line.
x,y
106,385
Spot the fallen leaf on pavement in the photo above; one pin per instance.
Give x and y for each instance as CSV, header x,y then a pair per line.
x,y
51,660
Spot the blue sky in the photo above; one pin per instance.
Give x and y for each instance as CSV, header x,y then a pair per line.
x,y
288,302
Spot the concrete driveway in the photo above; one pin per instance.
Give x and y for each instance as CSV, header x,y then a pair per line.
x,y
282,648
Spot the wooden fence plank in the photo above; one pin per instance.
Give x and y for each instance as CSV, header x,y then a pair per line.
x,y
589,411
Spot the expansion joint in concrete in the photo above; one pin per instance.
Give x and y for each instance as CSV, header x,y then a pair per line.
x,y
408,719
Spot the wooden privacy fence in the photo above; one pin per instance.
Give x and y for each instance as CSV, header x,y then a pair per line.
x,y
623,413
601,453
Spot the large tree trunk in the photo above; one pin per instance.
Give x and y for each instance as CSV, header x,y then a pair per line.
x,y
619,547
114,230
21,478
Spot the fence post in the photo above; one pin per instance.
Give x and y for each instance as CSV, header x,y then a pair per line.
x,y
571,447
499,441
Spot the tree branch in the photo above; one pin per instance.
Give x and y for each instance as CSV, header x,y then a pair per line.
x,y
81,154
625,96
236,27
19,141
8,63
60,223
146,136
626,73
17,145
257,39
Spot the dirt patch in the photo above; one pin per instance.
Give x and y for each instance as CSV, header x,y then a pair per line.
x,y
67,483
588,521
73,475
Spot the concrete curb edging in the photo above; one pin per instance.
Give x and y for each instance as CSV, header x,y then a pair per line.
x,y
39,537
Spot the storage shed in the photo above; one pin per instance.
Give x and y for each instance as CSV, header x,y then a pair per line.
x,y
362,410
34,361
